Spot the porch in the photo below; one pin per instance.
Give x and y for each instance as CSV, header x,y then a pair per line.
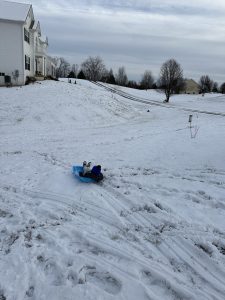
x,y
40,67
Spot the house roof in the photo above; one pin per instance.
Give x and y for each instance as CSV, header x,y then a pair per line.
x,y
37,27
44,39
14,11
191,81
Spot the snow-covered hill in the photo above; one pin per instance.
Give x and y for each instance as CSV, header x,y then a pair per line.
x,y
153,229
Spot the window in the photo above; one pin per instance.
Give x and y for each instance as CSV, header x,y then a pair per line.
x,y
26,36
27,62
2,74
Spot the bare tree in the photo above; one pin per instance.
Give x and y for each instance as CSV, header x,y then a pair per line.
x,y
63,68
147,80
171,76
75,69
206,84
121,77
93,68
180,86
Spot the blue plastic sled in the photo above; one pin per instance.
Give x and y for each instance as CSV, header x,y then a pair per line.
x,y
76,171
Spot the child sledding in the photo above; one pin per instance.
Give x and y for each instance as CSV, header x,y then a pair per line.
x,y
88,174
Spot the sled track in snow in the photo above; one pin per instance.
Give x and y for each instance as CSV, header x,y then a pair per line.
x,y
150,273
152,102
215,288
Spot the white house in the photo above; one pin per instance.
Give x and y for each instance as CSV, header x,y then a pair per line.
x,y
23,48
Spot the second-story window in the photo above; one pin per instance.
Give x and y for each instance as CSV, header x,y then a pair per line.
x,y
26,36
27,62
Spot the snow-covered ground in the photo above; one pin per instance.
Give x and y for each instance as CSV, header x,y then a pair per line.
x,y
153,229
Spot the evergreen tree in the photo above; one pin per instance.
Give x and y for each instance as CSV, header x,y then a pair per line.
x,y
71,74
81,75
222,88
215,88
111,78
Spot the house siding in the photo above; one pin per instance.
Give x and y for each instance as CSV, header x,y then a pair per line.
x,y
11,51
191,87
29,47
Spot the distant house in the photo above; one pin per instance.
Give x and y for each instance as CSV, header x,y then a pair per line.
x,y
23,48
190,87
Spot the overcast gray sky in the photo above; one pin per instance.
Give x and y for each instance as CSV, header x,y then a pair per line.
x,y
138,34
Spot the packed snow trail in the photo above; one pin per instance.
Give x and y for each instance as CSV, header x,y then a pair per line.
x,y
152,102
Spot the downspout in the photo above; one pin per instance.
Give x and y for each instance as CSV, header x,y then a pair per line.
x,y
23,54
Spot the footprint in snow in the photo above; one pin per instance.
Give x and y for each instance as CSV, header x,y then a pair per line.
x,y
72,277
103,280
4,214
54,273
29,292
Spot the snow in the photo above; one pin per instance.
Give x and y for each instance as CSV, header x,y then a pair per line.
x,y
14,11
153,229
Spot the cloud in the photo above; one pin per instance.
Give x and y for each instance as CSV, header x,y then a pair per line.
x,y
139,35
163,7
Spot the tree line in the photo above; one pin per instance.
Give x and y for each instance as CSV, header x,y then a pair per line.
x,y
170,79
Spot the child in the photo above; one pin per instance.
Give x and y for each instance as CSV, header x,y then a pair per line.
x,y
96,173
